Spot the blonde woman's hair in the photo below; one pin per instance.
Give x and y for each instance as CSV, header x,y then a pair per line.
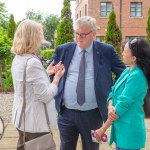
x,y
28,37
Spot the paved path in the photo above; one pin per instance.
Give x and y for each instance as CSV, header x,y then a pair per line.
x,y
1,127
9,140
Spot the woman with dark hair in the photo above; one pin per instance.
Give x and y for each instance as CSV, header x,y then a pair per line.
x,y
125,101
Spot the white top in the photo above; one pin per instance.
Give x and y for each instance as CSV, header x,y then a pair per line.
x,y
39,90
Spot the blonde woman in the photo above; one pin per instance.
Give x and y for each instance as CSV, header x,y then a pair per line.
x,y
27,41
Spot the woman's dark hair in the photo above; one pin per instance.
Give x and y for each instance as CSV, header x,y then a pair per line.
x,y
140,48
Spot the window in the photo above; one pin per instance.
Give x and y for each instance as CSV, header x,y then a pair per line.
x,y
77,16
135,9
85,9
105,9
132,37
77,1
99,38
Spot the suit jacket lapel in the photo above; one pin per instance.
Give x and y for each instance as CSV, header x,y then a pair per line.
x,y
67,57
69,52
96,59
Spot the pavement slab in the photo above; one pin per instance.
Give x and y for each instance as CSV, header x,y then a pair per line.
x,y
9,140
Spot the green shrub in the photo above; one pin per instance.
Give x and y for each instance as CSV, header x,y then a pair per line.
x,y
7,81
8,62
113,34
148,27
65,32
47,53
46,56
4,75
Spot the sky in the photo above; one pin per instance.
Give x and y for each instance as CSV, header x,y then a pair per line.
x,y
19,7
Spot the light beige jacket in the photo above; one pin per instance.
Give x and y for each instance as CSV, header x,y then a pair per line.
x,y
39,90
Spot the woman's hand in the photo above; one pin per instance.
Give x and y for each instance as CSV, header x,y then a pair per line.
x,y
98,134
112,111
51,69
59,73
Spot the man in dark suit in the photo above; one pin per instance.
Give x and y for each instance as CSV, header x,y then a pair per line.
x,y
83,90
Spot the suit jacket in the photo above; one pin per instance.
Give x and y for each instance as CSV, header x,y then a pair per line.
x,y
128,94
105,60
39,90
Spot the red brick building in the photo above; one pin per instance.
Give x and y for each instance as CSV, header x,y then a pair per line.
x,y
131,15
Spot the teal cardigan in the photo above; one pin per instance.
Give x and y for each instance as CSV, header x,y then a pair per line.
x,y
128,94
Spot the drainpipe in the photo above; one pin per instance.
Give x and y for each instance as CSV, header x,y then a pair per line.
x,y
120,14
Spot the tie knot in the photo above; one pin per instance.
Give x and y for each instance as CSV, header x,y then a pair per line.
x,y
83,51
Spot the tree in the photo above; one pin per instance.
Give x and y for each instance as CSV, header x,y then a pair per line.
x,y
35,15
11,27
5,45
3,16
65,28
113,34
50,25
148,27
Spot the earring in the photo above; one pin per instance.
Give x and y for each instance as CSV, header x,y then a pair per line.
x,y
133,63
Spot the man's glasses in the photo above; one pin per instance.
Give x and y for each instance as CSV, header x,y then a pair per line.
x,y
82,35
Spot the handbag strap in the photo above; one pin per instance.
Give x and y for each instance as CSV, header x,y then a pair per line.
x,y
47,119
24,106
24,103
24,91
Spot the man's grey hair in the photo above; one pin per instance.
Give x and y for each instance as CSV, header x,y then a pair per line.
x,y
86,20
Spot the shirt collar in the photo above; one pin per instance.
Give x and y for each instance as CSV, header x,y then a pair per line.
x,y
88,49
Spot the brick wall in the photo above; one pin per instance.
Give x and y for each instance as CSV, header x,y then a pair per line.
x,y
130,26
